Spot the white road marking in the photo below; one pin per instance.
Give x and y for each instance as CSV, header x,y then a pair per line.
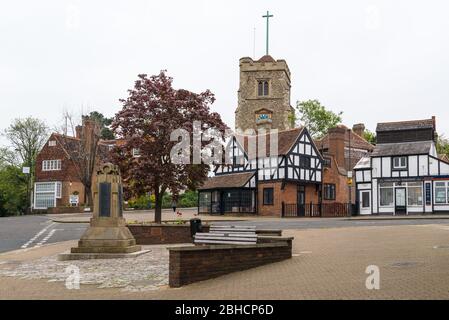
x,y
37,235
48,236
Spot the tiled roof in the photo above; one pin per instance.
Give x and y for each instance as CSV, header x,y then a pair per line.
x,y
235,180
406,125
266,58
403,148
72,147
286,140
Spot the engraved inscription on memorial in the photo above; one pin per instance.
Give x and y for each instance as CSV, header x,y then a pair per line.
x,y
105,199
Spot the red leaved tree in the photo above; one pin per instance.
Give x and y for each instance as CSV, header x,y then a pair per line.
x,y
151,112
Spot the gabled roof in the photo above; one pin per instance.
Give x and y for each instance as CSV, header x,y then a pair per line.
x,y
72,146
406,125
286,140
402,148
235,180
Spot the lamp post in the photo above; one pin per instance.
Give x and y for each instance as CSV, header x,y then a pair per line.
x,y
27,171
349,171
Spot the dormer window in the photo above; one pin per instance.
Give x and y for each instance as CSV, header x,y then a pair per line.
x,y
52,143
400,163
262,88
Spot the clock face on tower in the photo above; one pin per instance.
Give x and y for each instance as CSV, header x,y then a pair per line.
x,y
263,116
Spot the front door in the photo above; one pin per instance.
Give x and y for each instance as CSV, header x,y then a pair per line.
x,y
400,203
365,201
301,201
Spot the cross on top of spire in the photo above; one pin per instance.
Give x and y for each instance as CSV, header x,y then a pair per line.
x,y
267,16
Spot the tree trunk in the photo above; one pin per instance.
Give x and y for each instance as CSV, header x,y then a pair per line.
x,y
158,207
88,197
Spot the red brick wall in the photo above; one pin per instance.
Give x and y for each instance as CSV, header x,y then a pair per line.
x,y
286,195
192,264
68,170
333,176
162,234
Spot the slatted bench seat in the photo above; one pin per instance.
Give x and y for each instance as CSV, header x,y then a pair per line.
x,y
245,238
230,229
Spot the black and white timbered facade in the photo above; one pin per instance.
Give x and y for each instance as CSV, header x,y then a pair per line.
x,y
404,174
255,163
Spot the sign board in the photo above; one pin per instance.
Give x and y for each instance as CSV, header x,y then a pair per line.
x,y
74,200
349,181
26,170
428,194
349,174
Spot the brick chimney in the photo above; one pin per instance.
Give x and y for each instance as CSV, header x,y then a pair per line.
x,y
337,137
359,129
91,131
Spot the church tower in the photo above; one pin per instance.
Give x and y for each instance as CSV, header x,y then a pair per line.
x,y
264,95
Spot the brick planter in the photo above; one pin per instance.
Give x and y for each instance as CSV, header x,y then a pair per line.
x,y
58,210
173,233
162,233
197,263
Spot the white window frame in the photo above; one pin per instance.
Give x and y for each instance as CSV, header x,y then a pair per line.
x,y
51,165
446,193
52,143
56,192
400,166
136,153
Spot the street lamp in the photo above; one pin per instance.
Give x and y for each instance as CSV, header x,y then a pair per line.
x,y
27,171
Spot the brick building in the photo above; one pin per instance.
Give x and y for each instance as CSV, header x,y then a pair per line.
x,y
57,178
341,148
303,178
283,179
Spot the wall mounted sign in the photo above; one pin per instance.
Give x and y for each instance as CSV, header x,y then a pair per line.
x,y
428,194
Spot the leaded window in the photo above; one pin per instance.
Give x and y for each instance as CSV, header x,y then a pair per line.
x,y
262,88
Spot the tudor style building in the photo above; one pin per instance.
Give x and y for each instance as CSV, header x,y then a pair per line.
x,y
404,174
269,167
259,182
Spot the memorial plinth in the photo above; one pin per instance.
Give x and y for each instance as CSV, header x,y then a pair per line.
x,y
107,236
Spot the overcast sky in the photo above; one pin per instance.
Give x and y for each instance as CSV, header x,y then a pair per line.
x,y
374,60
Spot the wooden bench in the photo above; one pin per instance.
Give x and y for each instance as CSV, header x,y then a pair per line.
x,y
244,238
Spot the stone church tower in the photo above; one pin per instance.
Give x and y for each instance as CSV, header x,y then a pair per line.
x,y
264,95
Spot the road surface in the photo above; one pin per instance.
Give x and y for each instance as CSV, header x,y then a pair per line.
x,y
37,230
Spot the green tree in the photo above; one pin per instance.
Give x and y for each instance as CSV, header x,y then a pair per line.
x,y
7,157
317,118
13,191
442,145
105,132
27,137
369,136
